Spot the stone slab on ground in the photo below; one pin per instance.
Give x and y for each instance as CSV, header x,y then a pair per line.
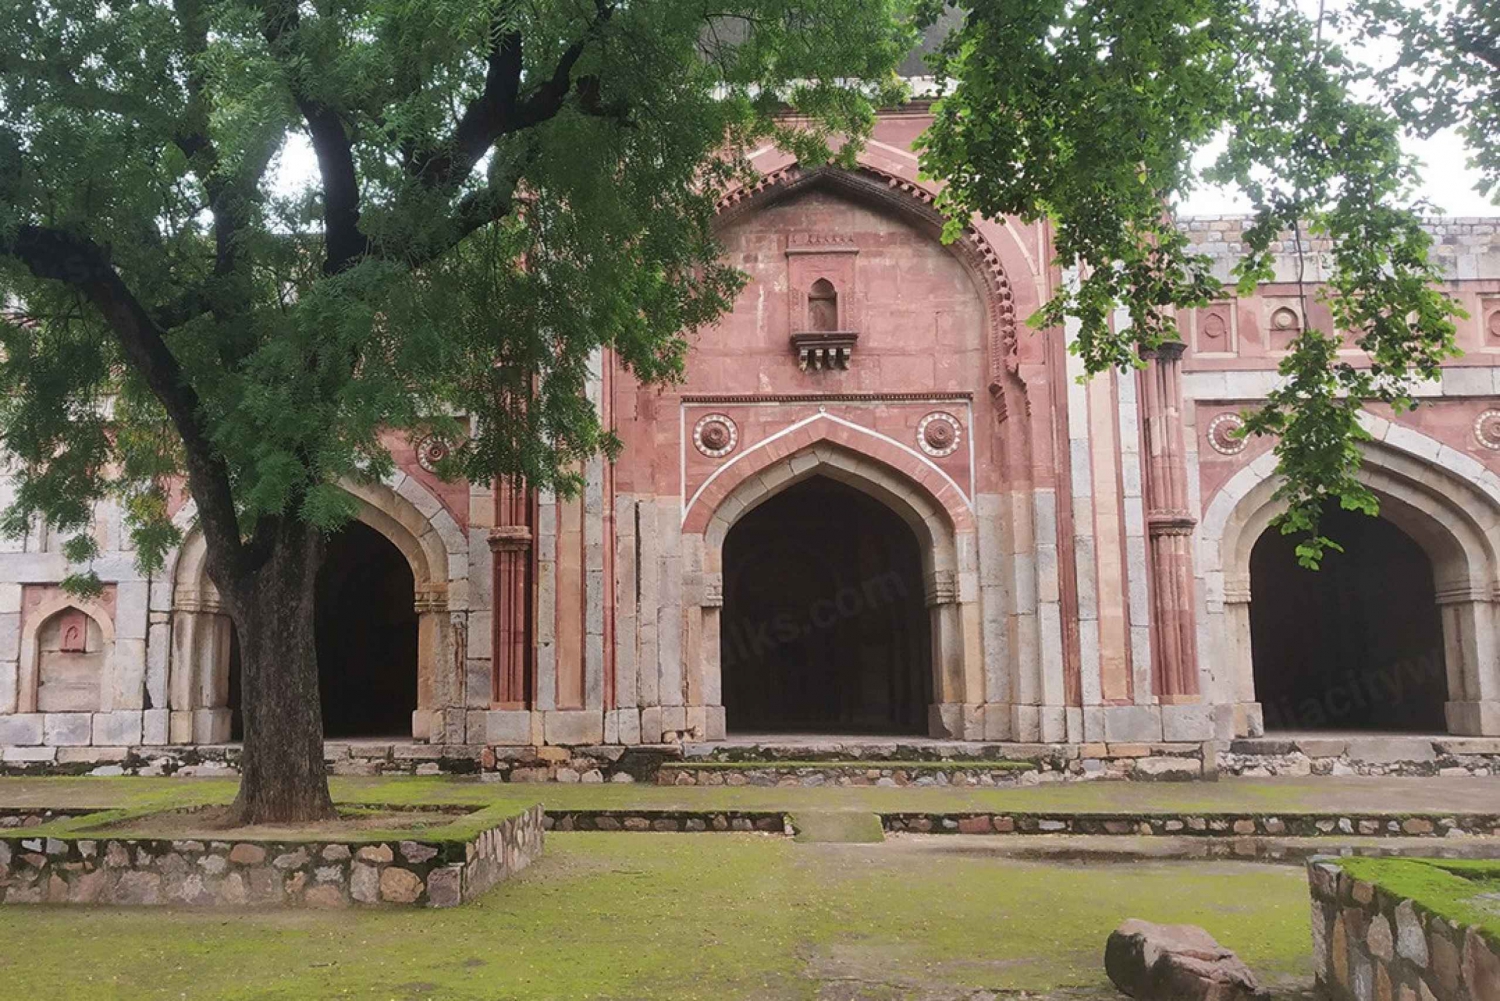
x,y
1152,962
837,827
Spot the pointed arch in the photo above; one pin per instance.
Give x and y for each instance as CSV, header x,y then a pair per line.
x,y
1448,503
929,502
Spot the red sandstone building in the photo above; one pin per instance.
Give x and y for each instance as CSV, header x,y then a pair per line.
x,y
880,504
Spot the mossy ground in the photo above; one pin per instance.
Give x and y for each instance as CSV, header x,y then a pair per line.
x,y
1265,796
610,916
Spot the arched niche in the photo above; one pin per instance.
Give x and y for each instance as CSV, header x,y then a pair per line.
x,y
67,652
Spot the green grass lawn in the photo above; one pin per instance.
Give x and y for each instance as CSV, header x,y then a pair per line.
x,y
1314,795
607,916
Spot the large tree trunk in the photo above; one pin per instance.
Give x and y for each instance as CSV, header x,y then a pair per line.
x,y
283,778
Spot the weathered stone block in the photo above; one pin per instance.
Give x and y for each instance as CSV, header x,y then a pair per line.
x,y
67,729
573,727
21,730
118,729
1187,724
445,886
399,886
1137,724
505,726
155,727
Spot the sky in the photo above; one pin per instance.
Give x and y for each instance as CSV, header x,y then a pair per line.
x,y
1447,182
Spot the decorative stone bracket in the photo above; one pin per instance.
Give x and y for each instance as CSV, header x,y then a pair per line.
x,y
941,588
828,349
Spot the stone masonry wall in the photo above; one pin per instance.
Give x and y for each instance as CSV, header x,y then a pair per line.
x,y
1370,945
223,874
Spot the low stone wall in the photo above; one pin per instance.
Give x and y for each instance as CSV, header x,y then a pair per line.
x,y
316,874
1370,944
1263,757
681,821
1204,825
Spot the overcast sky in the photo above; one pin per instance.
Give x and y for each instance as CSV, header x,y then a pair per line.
x,y
1446,182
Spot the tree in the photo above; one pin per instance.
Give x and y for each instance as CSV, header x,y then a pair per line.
x,y
502,187
1091,112
1445,72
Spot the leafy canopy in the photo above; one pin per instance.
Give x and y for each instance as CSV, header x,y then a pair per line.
x,y
1091,113
504,188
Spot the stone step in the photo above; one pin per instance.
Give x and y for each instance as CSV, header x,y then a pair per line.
x,y
762,772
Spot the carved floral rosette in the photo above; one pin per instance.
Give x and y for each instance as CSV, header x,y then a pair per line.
x,y
715,435
431,451
1487,429
1224,436
939,434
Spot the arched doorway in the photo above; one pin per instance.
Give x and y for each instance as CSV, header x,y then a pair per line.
x,y
366,636
1355,645
824,625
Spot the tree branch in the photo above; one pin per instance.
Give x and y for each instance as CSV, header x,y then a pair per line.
x,y
500,110
80,263
331,143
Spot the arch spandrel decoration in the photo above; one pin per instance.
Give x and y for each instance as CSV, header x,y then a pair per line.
x,y
911,200
1444,500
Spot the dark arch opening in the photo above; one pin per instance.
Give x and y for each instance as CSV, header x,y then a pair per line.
x,y
1355,645
824,629
366,625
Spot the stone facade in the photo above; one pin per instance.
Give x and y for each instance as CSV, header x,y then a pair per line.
x,y
1085,549
1371,945
223,874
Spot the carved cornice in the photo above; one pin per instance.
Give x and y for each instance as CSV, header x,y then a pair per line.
x,y
431,598
509,538
721,399
1170,523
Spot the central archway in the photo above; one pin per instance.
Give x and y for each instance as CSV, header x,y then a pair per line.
x,y
1354,645
366,636
824,627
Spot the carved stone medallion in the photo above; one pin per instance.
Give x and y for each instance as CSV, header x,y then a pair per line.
x,y
431,451
1487,429
715,435
1223,434
939,434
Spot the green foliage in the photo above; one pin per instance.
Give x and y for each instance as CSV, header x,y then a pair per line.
x,y
1446,72
1089,113
505,189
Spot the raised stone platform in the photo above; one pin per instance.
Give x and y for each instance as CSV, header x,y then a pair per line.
x,y
814,759
1361,754
80,866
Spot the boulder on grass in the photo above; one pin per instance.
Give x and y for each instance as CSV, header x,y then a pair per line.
x,y
1151,962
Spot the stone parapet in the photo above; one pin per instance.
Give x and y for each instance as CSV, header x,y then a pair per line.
x,y
1370,941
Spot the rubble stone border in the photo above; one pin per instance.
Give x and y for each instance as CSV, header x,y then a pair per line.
x,y
1044,763
1372,942
985,774
74,868
1204,825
